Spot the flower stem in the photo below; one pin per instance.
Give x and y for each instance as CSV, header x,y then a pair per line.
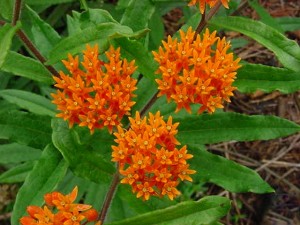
x,y
17,12
205,18
109,196
149,104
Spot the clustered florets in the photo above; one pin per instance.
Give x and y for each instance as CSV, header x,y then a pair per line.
x,y
60,210
211,3
148,157
196,70
98,95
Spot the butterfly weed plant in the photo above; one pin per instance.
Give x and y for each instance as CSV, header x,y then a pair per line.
x,y
106,121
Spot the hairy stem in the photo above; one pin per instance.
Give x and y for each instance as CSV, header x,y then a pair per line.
x,y
109,196
17,12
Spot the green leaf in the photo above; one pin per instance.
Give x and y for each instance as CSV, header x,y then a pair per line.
x,y
252,77
92,17
6,9
289,23
205,211
84,160
27,67
16,174
7,33
218,127
16,153
49,2
142,10
234,177
157,30
32,102
44,177
97,34
287,51
25,128
264,15
132,49
43,35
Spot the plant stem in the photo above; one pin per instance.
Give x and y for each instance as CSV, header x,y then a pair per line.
x,y
206,18
149,104
17,12
109,196
24,38
35,51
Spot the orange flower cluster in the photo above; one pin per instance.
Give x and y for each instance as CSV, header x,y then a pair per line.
x,y
98,96
196,70
67,212
211,3
148,157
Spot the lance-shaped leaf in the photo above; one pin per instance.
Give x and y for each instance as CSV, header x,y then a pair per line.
x,y
253,77
25,128
132,49
289,23
225,173
286,50
96,34
43,35
30,101
27,67
16,153
7,33
84,158
46,174
218,127
138,9
49,2
205,211
17,174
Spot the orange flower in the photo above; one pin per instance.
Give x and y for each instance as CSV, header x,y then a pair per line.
x,y
97,95
148,157
196,71
65,212
38,216
211,3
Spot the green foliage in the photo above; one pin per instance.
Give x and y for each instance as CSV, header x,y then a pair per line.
x,y
17,173
218,127
84,158
286,50
6,34
205,211
43,35
225,173
25,128
27,67
32,102
15,153
43,178
252,77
